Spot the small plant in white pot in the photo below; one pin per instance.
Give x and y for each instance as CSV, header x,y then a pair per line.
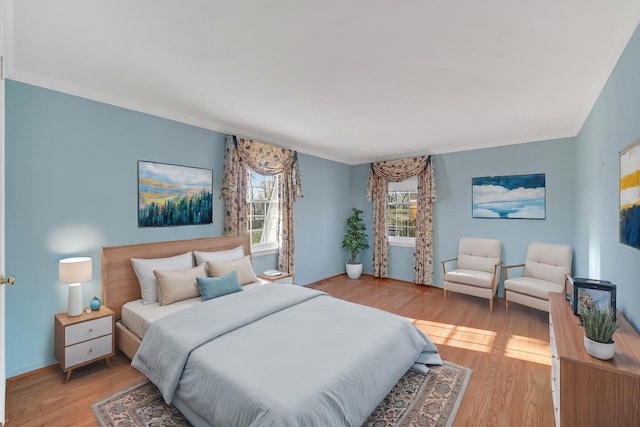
x,y
599,326
355,240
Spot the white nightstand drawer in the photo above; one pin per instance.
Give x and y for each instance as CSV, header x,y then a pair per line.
x,y
88,350
88,330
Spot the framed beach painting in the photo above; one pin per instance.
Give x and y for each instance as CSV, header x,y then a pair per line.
x,y
509,196
172,195
630,195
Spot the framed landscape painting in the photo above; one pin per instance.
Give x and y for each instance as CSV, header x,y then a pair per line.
x,y
509,196
172,195
630,195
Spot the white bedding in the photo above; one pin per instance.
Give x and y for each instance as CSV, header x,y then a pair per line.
x,y
280,355
137,317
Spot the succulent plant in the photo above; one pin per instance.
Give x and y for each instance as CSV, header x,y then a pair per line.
x,y
599,325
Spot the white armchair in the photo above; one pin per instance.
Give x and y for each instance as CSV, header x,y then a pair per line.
x,y
477,269
545,270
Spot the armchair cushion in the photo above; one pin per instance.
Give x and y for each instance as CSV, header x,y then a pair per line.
x,y
533,287
478,254
478,278
548,261
545,270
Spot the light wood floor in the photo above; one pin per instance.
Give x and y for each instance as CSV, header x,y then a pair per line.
x,y
508,352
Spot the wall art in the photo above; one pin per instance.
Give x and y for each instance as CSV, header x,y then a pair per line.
x,y
630,195
510,196
172,195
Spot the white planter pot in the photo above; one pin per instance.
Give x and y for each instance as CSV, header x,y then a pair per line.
x,y
354,270
599,350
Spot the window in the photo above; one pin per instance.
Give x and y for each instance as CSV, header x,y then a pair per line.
x,y
401,212
264,213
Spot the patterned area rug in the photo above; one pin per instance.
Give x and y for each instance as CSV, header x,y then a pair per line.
x,y
416,400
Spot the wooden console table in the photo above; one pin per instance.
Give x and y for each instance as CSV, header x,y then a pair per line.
x,y
588,391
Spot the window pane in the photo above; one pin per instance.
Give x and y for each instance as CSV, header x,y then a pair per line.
x,y
401,218
263,209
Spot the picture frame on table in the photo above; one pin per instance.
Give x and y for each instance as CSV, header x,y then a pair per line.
x,y
600,294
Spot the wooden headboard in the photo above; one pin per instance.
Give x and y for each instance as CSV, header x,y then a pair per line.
x,y
119,281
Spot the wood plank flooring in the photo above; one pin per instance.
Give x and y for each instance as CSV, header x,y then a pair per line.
x,y
508,352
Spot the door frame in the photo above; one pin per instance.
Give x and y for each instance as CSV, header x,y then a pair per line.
x,y
3,375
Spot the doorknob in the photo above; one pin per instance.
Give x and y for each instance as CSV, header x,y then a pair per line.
x,y
10,280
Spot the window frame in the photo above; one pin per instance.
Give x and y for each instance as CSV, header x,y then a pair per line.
x,y
263,248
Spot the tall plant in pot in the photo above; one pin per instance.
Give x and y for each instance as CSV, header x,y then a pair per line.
x,y
355,240
599,326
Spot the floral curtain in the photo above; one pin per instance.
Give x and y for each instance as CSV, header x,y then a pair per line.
x,y
380,175
243,154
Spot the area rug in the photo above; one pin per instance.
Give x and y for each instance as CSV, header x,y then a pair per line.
x,y
416,400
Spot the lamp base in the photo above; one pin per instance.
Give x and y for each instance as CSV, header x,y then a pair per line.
x,y
74,305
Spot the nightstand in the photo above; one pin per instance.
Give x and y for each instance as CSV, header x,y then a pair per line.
x,y
84,339
286,278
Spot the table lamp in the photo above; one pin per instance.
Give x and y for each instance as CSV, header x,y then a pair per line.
x,y
73,271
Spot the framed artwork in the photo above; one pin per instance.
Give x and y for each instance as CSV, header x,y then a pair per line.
x,y
602,297
172,195
589,293
630,195
509,196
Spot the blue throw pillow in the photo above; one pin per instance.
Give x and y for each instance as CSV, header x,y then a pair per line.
x,y
214,287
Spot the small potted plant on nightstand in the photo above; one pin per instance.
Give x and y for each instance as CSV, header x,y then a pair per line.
x,y
599,326
355,240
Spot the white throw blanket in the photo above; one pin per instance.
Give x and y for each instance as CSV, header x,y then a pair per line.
x,y
280,355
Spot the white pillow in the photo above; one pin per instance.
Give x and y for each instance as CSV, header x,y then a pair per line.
x,y
242,266
144,270
178,285
219,256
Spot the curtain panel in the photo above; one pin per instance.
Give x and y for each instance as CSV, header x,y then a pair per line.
x,y
240,155
380,174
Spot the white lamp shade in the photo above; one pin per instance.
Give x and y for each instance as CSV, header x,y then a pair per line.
x,y
74,270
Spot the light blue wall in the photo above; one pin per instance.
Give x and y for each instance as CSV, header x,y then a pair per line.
x,y
453,207
71,168
320,219
452,217
358,187
614,123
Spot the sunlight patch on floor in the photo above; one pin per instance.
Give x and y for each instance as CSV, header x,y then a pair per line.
x,y
528,349
457,336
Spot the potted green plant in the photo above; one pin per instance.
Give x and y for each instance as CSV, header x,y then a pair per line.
x,y
599,326
355,240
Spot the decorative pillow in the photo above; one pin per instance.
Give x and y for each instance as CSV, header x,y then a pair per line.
x,y
178,285
144,270
242,266
214,287
219,256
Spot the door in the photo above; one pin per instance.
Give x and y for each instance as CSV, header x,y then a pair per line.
x,y
3,380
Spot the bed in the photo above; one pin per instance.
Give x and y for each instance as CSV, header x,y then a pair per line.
x,y
280,355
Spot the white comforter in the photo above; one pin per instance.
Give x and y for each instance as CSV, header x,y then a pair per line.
x,y
279,355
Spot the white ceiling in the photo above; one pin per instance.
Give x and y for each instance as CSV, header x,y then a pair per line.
x,y
352,81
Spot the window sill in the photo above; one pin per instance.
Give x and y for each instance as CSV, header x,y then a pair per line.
x,y
403,243
258,252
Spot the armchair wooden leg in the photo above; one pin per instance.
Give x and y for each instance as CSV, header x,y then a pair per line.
x,y
491,304
506,301
445,293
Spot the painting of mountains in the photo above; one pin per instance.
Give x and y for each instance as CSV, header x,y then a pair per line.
x,y
510,196
171,195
